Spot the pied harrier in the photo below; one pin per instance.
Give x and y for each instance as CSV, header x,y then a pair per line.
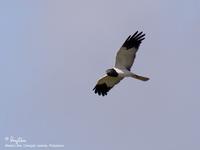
x,y
123,63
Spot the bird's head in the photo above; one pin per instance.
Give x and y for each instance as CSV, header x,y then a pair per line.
x,y
111,72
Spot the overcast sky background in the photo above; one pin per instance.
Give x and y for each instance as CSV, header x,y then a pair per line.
x,y
52,53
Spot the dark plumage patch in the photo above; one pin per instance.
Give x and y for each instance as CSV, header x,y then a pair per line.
x,y
134,40
101,89
111,72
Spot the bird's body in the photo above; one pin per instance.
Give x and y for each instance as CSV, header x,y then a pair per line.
x,y
124,60
123,72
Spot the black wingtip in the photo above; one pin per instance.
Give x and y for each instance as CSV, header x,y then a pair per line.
x,y
101,89
134,40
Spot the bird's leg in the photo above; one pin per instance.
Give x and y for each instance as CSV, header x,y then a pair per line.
x,y
140,77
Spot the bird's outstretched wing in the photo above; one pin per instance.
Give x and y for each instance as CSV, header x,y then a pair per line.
x,y
105,84
126,54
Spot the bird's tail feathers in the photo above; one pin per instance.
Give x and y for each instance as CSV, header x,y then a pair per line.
x,y
140,77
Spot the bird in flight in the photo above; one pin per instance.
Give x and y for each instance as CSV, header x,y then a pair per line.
x,y
123,63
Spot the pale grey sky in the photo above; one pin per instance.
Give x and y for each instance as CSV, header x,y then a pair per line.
x,y
52,53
